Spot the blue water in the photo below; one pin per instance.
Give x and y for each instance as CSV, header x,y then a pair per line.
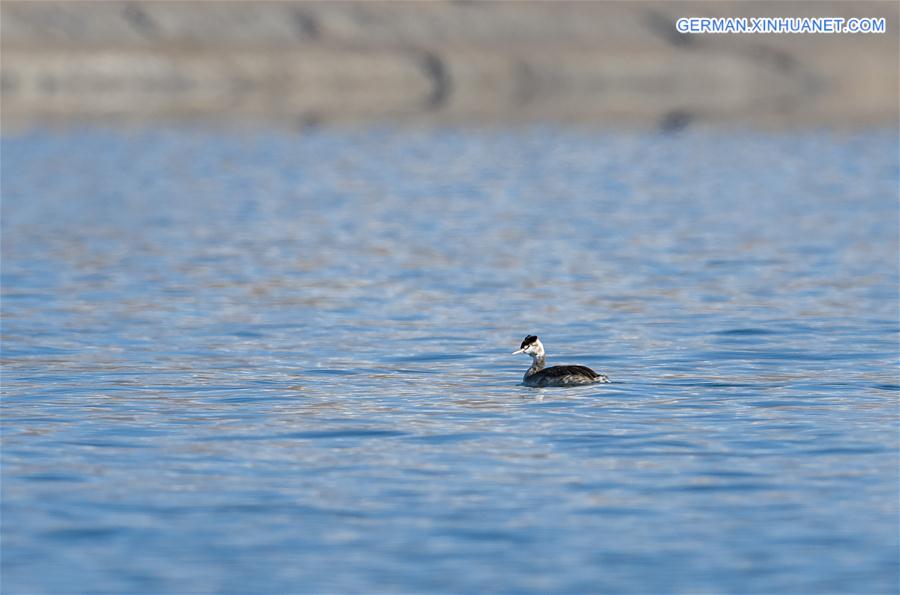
x,y
264,362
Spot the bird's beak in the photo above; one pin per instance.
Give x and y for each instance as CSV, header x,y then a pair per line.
x,y
518,351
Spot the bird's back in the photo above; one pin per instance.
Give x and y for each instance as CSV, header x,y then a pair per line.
x,y
564,376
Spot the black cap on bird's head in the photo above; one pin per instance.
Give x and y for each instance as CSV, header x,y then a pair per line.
x,y
530,345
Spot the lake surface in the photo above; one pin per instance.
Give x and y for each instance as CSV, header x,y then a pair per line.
x,y
265,362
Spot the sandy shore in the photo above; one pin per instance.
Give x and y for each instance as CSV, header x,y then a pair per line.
x,y
304,63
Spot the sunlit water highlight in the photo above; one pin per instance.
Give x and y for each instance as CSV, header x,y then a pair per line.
x,y
262,362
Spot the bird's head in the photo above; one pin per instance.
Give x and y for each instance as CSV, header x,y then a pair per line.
x,y
530,345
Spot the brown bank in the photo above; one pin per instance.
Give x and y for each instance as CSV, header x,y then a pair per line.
x,y
301,63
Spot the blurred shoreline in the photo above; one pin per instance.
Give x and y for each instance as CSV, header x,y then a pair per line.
x,y
614,64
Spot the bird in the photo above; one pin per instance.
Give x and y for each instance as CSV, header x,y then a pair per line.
x,y
538,376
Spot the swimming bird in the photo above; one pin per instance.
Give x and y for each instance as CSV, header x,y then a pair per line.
x,y
539,376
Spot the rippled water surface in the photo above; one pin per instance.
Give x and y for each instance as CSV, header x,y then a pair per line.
x,y
267,362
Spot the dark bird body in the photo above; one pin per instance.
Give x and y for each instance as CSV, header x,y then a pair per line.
x,y
540,376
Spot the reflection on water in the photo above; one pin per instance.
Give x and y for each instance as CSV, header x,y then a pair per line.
x,y
268,363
